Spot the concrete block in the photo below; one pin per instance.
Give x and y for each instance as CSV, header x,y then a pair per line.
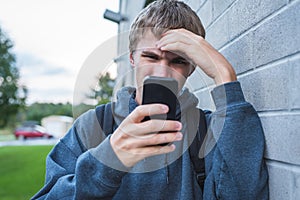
x,y
282,137
195,4
239,54
278,37
294,85
267,89
198,80
284,181
217,33
296,188
205,13
205,99
219,6
245,13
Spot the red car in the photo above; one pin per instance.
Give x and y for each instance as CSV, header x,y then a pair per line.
x,y
34,131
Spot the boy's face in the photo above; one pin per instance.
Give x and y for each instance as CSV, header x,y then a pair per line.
x,y
148,60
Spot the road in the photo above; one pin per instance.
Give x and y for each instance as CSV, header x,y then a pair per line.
x,y
29,142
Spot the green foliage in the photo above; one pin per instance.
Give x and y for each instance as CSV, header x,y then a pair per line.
x,y
105,88
102,94
12,96
37,111
22,171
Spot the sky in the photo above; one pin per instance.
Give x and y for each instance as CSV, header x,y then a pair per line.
x,y
52,39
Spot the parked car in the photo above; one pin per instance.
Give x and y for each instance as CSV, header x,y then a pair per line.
x,y
33,131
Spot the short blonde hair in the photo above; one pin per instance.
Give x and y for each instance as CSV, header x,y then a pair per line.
x,y
163,15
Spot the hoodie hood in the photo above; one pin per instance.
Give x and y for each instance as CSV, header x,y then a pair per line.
x,y
121,108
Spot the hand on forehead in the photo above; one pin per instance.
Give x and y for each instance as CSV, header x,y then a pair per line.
x,y
147,45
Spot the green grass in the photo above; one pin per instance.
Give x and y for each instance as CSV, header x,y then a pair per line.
x,y
22,171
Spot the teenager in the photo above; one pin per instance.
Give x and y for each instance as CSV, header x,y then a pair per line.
x,y
166,40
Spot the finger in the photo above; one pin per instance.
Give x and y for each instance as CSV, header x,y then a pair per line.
x,y
150,140
174,46
154,150
139,144
160,138
172,38
155,126
181,31
147,110
184,32
151,126
186,36
130,157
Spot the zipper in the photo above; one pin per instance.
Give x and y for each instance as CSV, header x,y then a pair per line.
x,y
167,169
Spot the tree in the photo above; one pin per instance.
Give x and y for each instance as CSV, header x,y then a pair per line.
x,y
12,95
37,111
104,91
101,94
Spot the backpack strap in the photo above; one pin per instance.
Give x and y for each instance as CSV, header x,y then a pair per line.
x,y
105,118
198,163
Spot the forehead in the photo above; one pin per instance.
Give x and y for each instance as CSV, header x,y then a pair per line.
x,y
147,44
147,40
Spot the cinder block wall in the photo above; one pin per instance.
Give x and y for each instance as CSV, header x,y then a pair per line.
x,y
261,39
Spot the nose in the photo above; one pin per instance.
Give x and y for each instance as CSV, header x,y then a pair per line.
x,y
162,70
164,62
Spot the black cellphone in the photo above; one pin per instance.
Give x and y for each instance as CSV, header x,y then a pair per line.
x,y
161,90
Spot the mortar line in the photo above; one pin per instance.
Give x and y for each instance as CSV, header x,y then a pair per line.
x,y
282,112
270,64
291,166
256,25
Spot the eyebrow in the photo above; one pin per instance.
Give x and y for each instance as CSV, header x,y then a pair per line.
x,y
150,53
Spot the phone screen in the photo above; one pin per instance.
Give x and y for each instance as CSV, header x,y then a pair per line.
x,y
161,90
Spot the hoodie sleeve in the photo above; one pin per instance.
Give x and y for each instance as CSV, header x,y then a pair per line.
x,y
235,167
73,172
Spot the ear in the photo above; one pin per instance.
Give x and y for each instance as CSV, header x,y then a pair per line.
x,y
131,59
